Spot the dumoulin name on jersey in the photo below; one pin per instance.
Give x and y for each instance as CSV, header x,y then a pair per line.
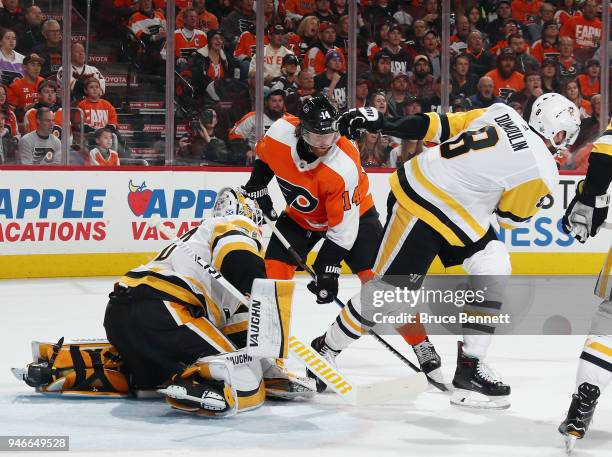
x,y
486,161
328,194
177,278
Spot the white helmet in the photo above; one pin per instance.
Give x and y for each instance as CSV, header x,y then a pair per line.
x,y
553,113
232,201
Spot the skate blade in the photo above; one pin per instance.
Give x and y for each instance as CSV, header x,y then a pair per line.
x,y
570,442
475,400
19,373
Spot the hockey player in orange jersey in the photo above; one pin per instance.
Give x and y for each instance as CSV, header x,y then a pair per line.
x,y
328,197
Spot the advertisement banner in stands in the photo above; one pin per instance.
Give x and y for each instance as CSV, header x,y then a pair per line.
x,y
56,212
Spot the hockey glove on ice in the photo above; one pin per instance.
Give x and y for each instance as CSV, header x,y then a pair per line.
x,y
325,284
585,214
350,123
260,195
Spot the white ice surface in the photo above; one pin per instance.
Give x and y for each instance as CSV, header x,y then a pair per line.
x,y
540,369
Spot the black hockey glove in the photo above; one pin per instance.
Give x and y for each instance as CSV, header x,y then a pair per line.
x,y
325,284
350,123
585,214
261,196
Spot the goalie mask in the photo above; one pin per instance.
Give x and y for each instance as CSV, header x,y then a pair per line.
x,y
553,113
317,119
231,202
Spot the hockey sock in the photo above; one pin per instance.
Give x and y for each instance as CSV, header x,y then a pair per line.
x,y
476,345
413,333
595,366
275,269
348,326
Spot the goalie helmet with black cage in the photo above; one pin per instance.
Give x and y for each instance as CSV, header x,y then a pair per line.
x,y
317,121
231,202
552,114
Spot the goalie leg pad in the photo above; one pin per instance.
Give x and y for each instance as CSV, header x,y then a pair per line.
x,y
204,389
88,368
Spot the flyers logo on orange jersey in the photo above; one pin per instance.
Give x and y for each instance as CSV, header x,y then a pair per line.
x,y
296,196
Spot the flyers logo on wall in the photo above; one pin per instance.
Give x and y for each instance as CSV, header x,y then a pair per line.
x,y
145,202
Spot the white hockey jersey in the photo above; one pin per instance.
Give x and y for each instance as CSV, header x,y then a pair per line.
x,y
487,160
603,288
174,273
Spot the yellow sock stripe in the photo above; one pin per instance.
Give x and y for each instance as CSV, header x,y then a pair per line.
x,y
422,213
447,199
599,347
350,322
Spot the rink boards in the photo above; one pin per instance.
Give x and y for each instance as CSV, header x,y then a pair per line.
x,y
92,222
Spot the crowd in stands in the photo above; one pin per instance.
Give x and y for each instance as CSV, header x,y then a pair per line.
x,y
500,52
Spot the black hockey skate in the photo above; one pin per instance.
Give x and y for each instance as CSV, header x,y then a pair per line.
x,y
476,385
319,345
430,361
579,416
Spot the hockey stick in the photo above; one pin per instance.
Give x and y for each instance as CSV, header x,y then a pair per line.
x,y
355,395
296,256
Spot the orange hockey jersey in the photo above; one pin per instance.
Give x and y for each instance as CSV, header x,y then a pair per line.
x,y
98,114
30,124
184,46
328,194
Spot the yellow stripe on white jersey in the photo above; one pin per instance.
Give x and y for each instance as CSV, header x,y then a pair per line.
x,y
444,126
603,144
520,203
400,225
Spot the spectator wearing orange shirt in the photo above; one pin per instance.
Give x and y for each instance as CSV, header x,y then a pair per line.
x,y
205,19
24,91
148,24
511,27
526,11
103,155
187,39
47,97
98,113
506,80
584,30
548,45
589,82
297,9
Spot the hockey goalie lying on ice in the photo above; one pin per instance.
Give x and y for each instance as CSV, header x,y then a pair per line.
x,y
172,327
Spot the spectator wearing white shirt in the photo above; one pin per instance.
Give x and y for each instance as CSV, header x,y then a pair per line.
x,y
81,72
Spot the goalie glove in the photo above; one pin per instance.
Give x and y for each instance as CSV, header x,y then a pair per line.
x,y
325,284
585,214
261,196
350,123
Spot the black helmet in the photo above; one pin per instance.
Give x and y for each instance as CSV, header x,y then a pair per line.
x,y
317,115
